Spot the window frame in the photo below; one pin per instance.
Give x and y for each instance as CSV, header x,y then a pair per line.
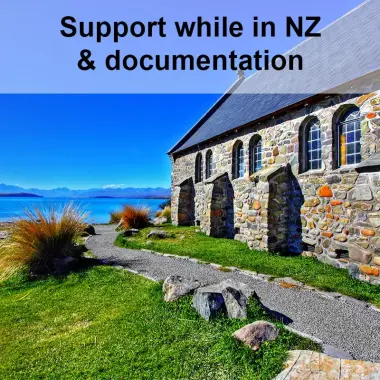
x,y
210,167
344,120
254,144
199,168
304,153
238,160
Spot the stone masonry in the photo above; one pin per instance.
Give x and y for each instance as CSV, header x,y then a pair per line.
x,y
332,213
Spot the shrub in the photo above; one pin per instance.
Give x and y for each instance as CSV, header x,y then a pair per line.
x,y
167,203
115,216
135,217
167,213
43,236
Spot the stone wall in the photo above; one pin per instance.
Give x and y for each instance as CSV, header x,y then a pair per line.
x,y
332,214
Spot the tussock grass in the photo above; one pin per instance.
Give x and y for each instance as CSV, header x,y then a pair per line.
x,y
115,216
135,217
40,237
166,212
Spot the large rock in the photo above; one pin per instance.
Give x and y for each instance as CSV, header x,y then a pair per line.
x,y
176,286
236,303
130,232
254,334
209,302
160,220
90,230
229,296
159,234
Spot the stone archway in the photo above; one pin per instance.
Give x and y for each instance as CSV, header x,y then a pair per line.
x,y
222,208
186,206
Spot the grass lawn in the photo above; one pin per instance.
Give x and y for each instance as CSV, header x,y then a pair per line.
x,y
106,323
234,253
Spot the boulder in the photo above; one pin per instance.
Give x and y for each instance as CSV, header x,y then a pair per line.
x,y
236,303
4,235
89,230
130,232
160,220
176,286
209,302
229,296
254,334
158,234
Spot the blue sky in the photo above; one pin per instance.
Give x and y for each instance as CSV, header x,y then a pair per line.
x,y
83,141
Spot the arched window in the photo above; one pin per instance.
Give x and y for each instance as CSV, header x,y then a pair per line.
x,y
199,168
210,166
255,146
311,158
238,160
348,141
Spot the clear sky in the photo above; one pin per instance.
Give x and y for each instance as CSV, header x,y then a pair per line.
x,y
84,141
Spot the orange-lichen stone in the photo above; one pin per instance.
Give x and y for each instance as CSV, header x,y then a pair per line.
x,y
336,202
257,205
327,234
366,232
371,115
328,208
330,216
325,192
370,271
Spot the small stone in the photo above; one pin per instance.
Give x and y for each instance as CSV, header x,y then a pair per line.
x,y
325,192
254,334
376,260
311,202
257,205
358,254
340,237
336,202
347,204
337,210
327,234
370,271
309,241
368,232
275,151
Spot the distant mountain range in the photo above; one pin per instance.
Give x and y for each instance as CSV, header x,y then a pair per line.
x,y
108,192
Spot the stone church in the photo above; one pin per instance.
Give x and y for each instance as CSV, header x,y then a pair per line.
x,y
294,173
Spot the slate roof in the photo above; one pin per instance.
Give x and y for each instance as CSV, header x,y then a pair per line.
x,y
348,49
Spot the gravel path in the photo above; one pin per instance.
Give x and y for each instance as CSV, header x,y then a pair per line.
x,y
344,323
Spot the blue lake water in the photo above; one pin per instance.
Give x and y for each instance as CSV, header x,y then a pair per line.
x,y
98,208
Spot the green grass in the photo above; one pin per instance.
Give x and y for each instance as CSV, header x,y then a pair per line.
x,y
104,323
234,253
